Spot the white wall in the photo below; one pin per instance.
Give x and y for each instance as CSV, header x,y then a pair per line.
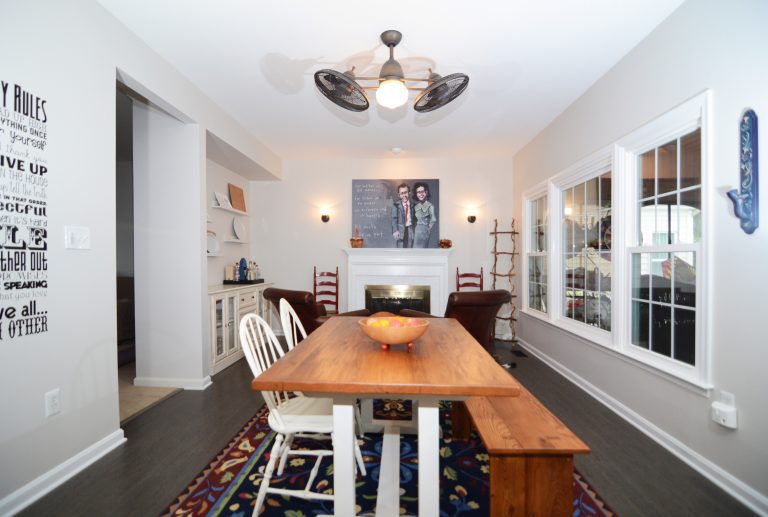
x,y
289,238
170,272
70,53
706,44
218,179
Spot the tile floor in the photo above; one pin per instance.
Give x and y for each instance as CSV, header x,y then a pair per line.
x,y
135,399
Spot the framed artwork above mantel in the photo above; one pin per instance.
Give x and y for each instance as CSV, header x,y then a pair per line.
x,y
397,213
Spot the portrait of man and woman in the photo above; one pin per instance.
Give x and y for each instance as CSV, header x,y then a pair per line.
x,y
397,213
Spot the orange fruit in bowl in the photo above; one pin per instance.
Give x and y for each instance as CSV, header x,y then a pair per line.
x,y
394,330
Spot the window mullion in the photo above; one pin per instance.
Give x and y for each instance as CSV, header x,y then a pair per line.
x,y
624,194
555,256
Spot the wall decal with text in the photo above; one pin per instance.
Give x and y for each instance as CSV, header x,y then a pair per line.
x,y
24,176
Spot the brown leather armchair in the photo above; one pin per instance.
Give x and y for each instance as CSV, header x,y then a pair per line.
x,y
310,313
475,310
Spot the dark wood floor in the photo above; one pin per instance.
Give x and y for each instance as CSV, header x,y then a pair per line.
x,y
171,442
635,475
168,445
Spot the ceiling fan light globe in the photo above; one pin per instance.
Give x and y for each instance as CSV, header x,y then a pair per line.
x,y
392,93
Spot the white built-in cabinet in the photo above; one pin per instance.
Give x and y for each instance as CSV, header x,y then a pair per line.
x,y
228,304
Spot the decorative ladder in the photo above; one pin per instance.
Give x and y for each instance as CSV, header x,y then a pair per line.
x,y
507,312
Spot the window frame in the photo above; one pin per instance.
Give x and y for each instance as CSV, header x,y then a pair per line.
x,y
677,122
620,158
533,194
588,168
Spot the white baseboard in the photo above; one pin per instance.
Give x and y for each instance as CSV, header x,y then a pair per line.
x,y
753,499
166,382
37,488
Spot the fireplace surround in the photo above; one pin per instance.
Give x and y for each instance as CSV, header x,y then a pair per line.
x,y
397,266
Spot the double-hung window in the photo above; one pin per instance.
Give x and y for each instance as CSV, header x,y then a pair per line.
x,y
586,251
536,256
666,230
625,250
667,244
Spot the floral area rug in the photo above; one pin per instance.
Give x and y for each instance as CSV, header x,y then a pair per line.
x,y
392,409
229,484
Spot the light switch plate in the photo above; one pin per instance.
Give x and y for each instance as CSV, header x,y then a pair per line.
x,y
52,402
77,237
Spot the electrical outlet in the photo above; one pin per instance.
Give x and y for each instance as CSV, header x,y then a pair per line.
x,y
52,403
724,412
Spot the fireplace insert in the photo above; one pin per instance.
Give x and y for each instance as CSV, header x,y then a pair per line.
x,y
394,298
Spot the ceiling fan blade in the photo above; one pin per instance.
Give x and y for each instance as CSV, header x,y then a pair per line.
x,y
441,92
341,89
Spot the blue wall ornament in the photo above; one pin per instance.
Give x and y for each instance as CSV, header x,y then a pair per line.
x,y
745,200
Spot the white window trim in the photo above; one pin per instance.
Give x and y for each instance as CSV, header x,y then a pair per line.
x,y
533,193
590,167
677,122
619,158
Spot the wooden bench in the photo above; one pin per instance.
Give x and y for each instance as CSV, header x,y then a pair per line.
x,y
531,454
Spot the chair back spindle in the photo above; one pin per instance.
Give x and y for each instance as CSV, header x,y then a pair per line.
x,y
292,327
262,349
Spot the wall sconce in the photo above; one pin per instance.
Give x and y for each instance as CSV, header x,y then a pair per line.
x,y
471,215
472,218
325,218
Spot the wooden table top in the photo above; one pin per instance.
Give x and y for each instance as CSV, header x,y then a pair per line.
x,y
339,358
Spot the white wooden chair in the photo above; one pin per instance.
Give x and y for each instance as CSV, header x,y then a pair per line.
x,y
292,329
290,414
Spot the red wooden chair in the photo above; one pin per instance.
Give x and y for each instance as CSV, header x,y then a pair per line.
x,y
326,289
465,280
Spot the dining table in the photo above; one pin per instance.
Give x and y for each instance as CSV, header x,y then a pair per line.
x,y
339,361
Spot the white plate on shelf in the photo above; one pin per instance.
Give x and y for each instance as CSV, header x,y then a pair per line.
x,y
213,245
222,200
239,229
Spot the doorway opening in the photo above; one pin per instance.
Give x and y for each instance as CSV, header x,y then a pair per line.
x,y
132,399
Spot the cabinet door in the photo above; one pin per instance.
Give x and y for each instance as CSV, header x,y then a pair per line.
x,y
218,328
231,340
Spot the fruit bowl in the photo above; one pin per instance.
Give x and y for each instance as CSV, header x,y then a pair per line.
x,y
394,330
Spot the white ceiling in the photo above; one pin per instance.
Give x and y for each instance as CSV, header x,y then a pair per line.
x,y
527,60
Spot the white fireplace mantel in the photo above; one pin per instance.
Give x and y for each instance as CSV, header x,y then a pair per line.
x,y
408,266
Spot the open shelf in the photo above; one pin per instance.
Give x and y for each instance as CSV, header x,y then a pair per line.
x,y
229,209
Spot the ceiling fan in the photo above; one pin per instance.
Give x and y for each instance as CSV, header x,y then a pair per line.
x,y
342,88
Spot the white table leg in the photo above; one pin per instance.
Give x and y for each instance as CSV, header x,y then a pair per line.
x,y
429,458
388,494
343,458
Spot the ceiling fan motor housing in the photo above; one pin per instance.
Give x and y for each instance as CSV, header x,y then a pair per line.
x,y
391,69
